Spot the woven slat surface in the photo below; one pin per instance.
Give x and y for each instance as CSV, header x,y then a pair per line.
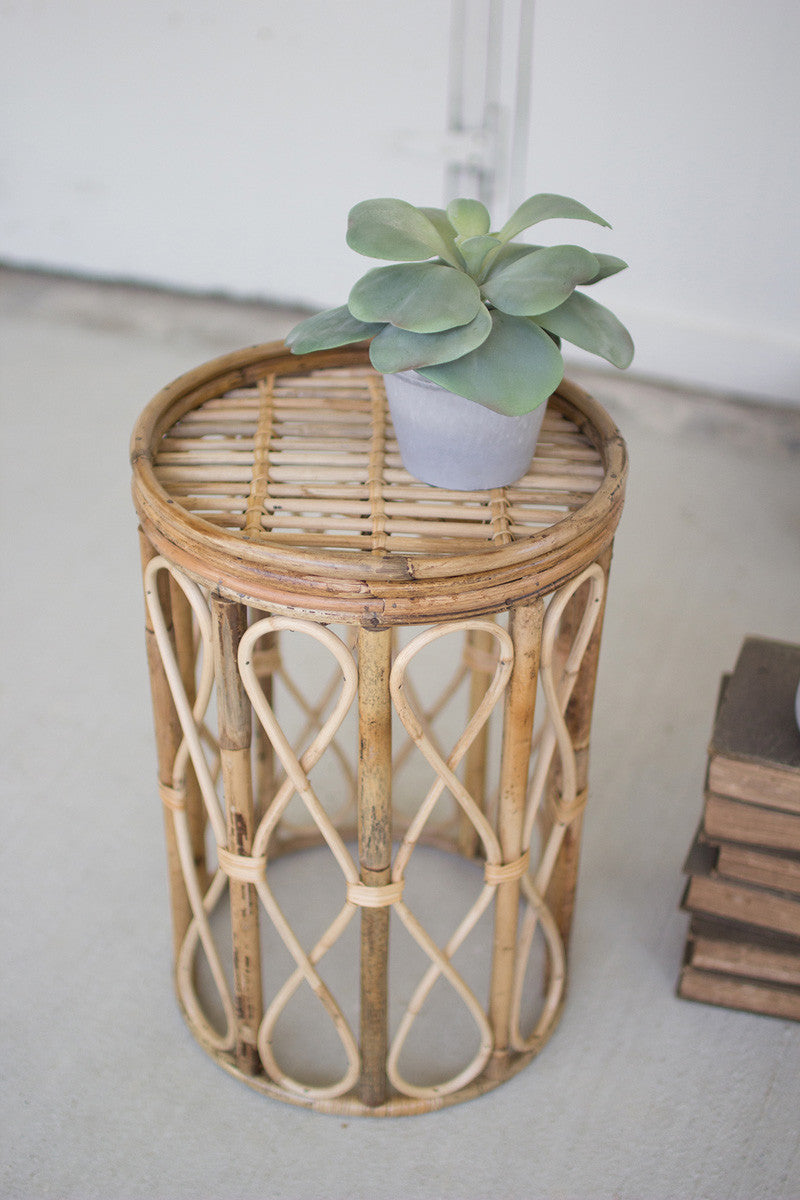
x,y
277,479
311,461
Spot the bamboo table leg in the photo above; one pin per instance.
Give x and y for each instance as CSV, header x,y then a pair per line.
x,y
229,622
374,851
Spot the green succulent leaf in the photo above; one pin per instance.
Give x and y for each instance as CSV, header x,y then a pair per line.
x,y
589,325
423,297
539,281
441,223
394,229
473,310
506,253
400,350
334,327
469,218
509,252
545,207
474,251
609,265
513,371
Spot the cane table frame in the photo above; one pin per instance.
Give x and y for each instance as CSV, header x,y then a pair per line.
x,y
272,502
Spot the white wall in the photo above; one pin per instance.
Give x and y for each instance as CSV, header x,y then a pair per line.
x,y
218,146
679,122
208,145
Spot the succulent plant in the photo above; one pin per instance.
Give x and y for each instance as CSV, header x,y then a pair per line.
x,y
474,311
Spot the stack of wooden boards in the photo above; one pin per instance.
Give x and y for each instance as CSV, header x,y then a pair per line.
x,y
743,890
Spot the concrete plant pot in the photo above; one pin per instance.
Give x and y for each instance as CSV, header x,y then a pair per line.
x,y
451,442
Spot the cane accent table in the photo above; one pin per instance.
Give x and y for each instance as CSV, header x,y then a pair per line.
x,y
275,514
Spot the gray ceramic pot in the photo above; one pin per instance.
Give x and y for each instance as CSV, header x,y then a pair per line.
x,y
451,442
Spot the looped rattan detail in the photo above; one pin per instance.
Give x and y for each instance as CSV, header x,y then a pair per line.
x,y
269,484
496,873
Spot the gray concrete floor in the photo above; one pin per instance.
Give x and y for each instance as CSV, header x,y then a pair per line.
x,y
638,1096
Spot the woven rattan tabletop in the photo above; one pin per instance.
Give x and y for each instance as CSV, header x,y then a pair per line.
x,y
276,479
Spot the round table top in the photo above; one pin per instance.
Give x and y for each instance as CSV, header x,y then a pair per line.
x,y
275,479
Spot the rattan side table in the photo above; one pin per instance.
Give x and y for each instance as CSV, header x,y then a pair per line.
x,y
276,520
